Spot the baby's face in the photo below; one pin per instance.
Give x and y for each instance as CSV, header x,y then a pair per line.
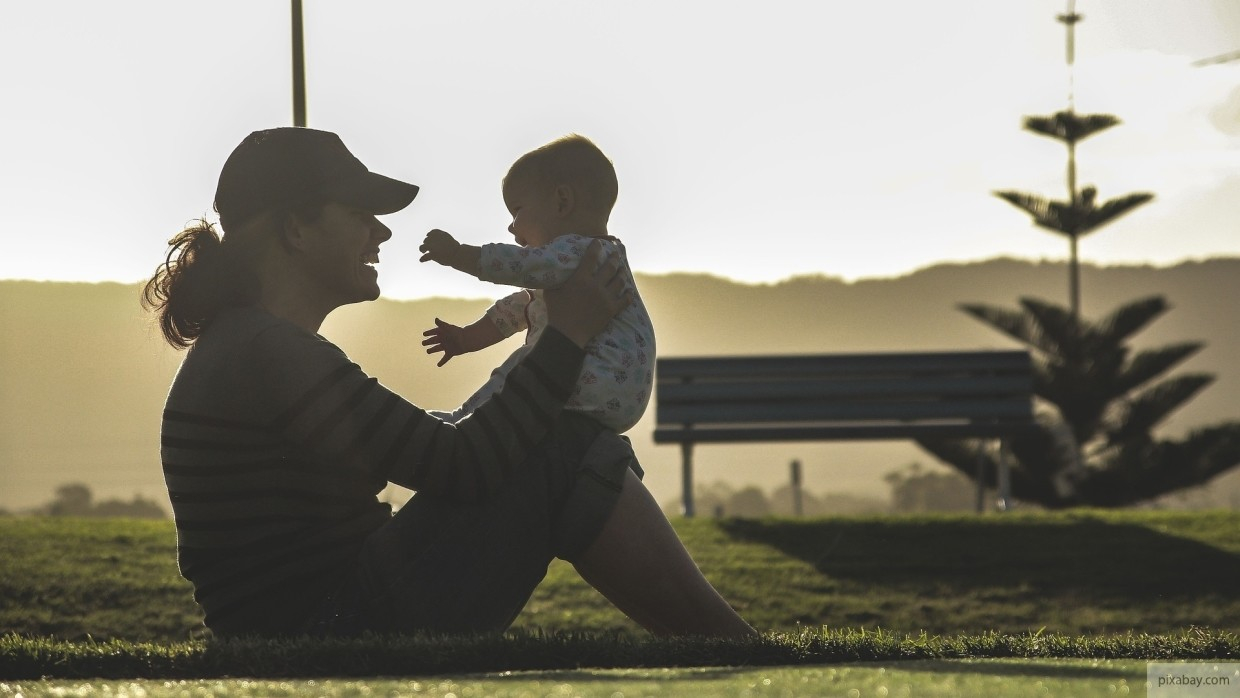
x,y
534,215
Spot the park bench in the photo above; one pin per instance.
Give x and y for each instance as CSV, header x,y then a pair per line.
x,y
973,394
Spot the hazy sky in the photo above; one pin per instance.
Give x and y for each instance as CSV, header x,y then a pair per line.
x,y
754,140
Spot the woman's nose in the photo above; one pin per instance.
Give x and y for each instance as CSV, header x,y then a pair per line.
x,y
381,231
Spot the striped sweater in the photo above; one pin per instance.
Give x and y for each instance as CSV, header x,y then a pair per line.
x,y
275,445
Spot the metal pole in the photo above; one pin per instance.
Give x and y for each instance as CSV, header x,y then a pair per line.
x,y
796,488
686,450
1074,285
1070,20
299,69
981,473
1005,478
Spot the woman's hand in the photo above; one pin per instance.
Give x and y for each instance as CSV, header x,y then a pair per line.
x,y
591,297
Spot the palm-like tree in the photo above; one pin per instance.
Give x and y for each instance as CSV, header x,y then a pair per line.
x,y
1100,403
1080,214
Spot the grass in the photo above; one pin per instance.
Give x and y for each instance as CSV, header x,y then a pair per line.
x,y
32,658
991,678
103,578
102,598
1070,573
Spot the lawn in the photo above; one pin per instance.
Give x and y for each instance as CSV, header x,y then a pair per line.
x,y
102,598
1071,573
992,678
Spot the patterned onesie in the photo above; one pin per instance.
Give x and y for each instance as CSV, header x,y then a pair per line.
x,y
618,373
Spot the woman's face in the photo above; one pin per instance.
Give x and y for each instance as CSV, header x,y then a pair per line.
x,y
341,249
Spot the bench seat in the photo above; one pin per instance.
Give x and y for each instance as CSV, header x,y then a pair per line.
x,y
875,396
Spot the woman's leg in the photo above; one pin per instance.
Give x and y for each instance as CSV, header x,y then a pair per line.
x,y
640,565
451,567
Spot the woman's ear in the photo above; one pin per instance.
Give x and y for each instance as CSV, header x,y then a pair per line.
x,y
564,199
292,237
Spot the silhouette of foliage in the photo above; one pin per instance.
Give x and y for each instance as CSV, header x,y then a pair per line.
x,y
76,499
73,499
915,490
1080,214
720,500
1073,219
1068,126
1094,444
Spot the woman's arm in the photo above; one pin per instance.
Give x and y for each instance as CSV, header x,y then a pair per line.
x,y
333,411
328,407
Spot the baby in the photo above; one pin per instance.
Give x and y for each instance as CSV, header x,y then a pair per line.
x,y
560,197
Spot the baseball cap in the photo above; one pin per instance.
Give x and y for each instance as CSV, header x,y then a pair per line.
x,y
295,166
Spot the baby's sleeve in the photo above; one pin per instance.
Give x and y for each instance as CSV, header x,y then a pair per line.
x,y
548,266
508,313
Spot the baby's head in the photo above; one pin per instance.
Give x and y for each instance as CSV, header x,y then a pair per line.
x,y
567,186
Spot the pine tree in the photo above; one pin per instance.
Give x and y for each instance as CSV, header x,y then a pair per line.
x,y
1081,213
1099,406
1094,443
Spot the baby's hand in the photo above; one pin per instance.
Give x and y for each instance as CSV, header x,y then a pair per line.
x,y
446,338
439,247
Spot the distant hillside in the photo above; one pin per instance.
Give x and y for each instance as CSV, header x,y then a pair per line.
x,y
83,374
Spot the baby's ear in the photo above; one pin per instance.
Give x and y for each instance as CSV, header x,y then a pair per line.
x,y
564,199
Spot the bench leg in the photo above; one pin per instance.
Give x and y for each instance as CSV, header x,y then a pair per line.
x,y
1005,479
796,488
686,476
981,477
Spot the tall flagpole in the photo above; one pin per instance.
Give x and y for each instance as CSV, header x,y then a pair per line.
x,y
299,69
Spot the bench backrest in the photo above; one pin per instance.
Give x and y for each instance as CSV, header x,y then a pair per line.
x,y
843,396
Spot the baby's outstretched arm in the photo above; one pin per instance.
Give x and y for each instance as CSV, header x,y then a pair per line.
x,y
454,341
545,267
439,246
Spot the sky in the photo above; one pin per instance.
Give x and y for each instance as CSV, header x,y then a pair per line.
x,y
756,141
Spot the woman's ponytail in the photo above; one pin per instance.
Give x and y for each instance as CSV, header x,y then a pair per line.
x,y
202,275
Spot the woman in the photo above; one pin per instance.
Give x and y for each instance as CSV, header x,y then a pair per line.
x,y
275,445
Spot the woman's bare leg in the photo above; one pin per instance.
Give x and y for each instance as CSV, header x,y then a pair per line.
x,y
640,565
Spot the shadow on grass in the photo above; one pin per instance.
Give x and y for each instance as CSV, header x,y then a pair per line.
x,y
1084,558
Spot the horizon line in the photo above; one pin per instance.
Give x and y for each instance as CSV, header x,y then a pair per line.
x,y
775,282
